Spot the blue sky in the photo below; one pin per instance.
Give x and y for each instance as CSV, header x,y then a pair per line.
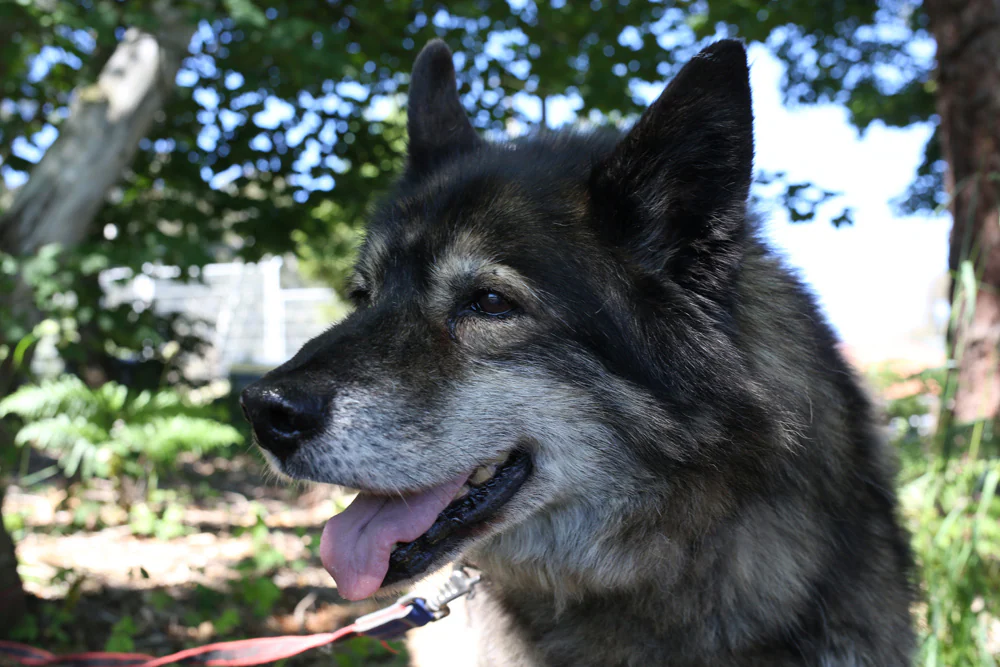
x,y
875,278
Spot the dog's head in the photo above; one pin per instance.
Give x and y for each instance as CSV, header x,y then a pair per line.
x,y
520,338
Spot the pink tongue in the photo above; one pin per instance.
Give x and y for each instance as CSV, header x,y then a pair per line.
x,y
356,543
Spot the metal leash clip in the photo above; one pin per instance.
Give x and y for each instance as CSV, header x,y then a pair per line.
x,y
459,583
411,611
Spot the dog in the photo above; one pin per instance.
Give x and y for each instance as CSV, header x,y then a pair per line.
x,y
574,365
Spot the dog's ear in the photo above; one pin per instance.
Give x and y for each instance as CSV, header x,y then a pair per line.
x,y
673,192
436,121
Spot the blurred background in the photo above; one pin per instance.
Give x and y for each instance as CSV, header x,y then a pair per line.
x,y
183,184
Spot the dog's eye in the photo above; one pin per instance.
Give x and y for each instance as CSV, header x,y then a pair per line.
x,y
491,303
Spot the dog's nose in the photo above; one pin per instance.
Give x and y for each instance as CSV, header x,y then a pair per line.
x,y
281,418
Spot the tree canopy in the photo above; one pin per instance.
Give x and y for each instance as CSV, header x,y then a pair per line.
x,y
285,121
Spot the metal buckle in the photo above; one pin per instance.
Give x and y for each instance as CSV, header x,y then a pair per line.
x,y
459,583
411,611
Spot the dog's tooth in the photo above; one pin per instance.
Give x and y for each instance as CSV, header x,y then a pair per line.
x,y
482,474
461,493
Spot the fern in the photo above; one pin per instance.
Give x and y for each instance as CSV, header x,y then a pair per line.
x,y
161,438
109,431
163,402
75,440
65,395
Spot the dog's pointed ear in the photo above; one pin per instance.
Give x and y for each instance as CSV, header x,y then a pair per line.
x,y
674,190
436,121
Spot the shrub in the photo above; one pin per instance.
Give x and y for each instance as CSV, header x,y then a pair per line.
x,y
111,431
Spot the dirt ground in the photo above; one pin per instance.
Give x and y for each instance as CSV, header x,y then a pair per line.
x,y
235,558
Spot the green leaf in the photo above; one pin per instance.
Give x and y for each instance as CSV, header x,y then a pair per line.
x,y
122,633
228,621
245,11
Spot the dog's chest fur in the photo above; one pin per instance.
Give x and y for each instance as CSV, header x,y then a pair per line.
x,y
483,632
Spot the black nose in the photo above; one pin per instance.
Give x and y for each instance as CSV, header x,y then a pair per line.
x,y
282,418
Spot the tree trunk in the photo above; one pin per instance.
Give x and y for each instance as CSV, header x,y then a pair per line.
x,y
67,188
95,144
12,603
968,102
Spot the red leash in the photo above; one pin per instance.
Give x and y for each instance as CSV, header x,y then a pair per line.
x,y
407,613
243,653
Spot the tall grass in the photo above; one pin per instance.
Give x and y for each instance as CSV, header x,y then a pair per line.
x,y
949,493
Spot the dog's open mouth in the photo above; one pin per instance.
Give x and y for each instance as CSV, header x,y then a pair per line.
x,y
381,540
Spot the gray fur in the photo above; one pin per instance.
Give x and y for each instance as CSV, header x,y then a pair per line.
x,y
709,484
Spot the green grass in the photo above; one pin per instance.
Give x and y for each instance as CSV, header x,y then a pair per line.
x,y
950,501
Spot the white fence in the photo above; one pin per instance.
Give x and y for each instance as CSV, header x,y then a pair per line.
x,y
241,309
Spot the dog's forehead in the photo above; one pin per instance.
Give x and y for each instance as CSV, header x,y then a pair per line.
x,y
473,220
512,204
